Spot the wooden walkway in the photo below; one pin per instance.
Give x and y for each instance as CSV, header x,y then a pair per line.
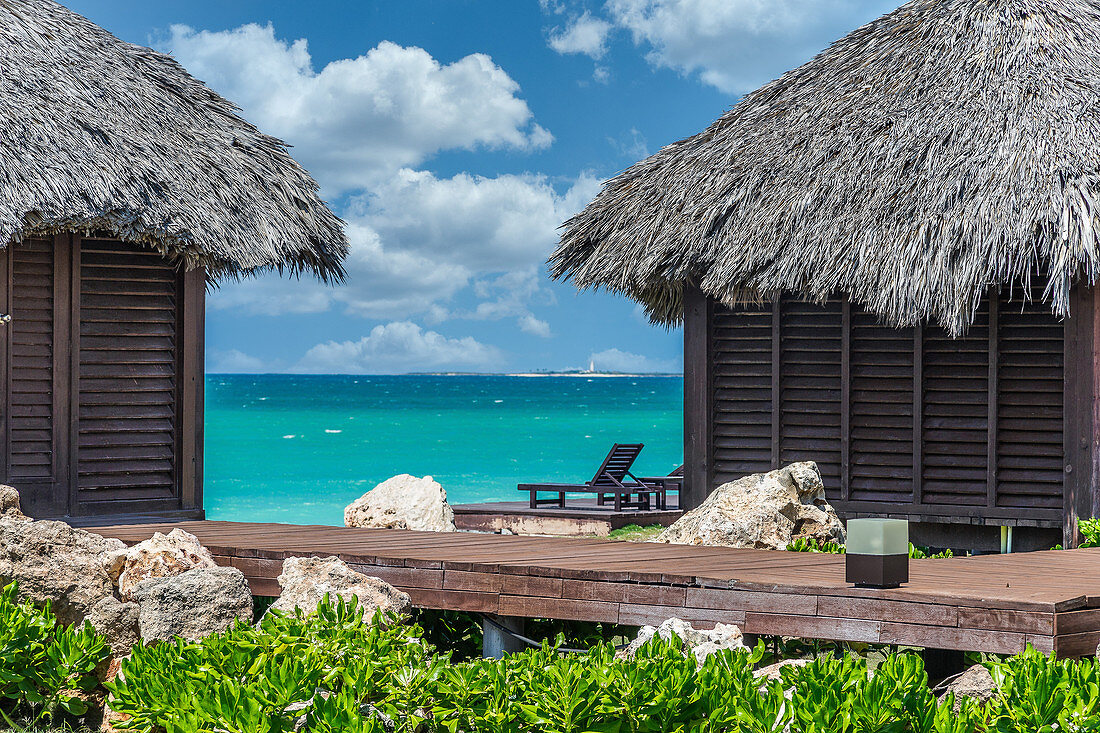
x,y
582,516
992,603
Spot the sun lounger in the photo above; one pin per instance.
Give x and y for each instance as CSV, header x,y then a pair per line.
x,y
613,481
672,482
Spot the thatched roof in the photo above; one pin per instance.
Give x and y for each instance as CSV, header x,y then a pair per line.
x,y
946,147
101,135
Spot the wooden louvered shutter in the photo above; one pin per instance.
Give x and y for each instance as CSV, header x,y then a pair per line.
x,y
881,442
128,360
1030,401
35,459
810,338
955,414
741,351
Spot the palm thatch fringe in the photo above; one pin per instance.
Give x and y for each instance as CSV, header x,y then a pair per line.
x,y
945,148
98,135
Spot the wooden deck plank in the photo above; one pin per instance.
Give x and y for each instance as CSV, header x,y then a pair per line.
x,y
993,603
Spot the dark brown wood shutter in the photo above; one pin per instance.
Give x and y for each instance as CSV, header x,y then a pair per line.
x,y
128,430
881,410
31,443
742,404
955,414
810,387
1030,373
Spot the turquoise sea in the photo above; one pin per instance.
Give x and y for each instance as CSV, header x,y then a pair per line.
x,y
297,449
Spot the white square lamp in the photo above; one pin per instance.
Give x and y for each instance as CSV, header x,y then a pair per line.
x,y
877,554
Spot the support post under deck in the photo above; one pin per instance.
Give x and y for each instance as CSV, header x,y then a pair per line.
x,y
495,639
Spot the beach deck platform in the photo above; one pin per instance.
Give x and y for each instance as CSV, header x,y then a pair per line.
x,y
991,603
582,516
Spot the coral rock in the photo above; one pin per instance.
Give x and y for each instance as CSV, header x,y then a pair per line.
x,y
192,605
403,502
700,643
116,622
762,511
9,503
160,556
975,682
54,562
306,580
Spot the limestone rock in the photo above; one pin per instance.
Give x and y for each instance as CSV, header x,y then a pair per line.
x,y
700,643
9,503
54,562
117,622
306,580
774,671
403,502
111,718
762,511
975,682
160,556
193,604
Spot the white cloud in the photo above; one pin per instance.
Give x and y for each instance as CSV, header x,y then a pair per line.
x,y
488,224
233,361
418,240
584,34
632,145
363,126
616,360
529,324
738,45
396,348
357,119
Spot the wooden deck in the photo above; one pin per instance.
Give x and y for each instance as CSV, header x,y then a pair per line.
x,y
581,516
993,603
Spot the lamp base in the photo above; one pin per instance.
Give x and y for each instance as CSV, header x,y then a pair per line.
x,y
876,571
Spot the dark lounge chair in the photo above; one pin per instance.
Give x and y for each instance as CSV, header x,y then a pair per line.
x,y
612,481
672,482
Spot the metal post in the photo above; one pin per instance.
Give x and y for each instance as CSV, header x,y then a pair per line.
x,y
496,641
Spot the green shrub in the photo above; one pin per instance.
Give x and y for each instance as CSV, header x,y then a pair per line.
x,y
44,665
1090,532
636,533
345,674
809,544
361,678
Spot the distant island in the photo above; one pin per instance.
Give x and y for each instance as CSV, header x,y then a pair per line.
x,y
540,373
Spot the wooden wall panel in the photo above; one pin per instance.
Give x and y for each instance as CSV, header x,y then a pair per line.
x,y
34,372
1030,454
955,414
881,441
907,421
128,382
741,392
810,387
101,372
31,438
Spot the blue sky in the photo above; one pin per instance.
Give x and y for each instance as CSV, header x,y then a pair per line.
x,y
454,136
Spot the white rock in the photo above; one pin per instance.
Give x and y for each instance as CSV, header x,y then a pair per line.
x,y
762,511
701,643
774,671
976,682
306,580
160,556
403,502
54,562
9,503
193,604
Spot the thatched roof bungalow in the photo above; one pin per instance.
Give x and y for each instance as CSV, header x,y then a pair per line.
x,y
125,186
886,261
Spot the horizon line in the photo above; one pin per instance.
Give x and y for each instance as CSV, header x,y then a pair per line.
x,y
566,373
